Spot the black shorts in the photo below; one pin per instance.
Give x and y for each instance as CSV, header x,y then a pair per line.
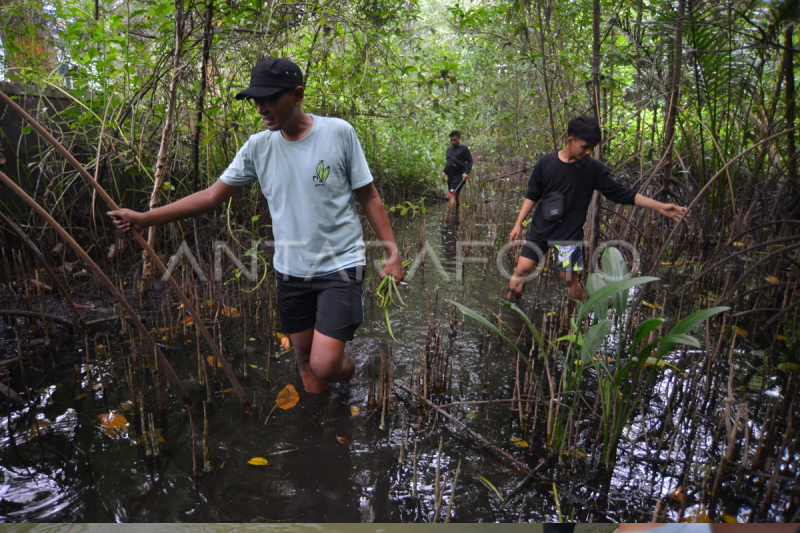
x,y
567,258
328,303
454,186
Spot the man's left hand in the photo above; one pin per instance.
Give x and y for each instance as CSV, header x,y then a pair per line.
x,y
395,268
675,212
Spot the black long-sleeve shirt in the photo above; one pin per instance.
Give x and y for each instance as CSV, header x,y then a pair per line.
x,y
459,161
577,181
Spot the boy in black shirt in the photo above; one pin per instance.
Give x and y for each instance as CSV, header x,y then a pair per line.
x,y
559,221
457,168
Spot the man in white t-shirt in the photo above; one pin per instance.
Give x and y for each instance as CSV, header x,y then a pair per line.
x,y
308,168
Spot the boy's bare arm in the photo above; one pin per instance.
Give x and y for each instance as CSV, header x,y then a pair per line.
x,y
370,200
516,231
191,206
675,212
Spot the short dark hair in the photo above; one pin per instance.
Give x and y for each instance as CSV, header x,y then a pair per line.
x,y
585,128
455,133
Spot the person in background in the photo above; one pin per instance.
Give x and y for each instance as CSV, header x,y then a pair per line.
x,y
456,168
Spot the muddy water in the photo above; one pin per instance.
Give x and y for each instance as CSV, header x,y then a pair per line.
x,y
326,462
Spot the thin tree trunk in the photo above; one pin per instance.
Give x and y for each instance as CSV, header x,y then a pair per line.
x,y
672,111
593,215
788,69
201,95
161,159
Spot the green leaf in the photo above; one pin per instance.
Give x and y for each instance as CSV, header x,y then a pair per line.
x,y
320,169
534,332
615,270
594,339
609,290
643,330
594,283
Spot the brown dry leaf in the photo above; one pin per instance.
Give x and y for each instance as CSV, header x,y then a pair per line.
x,y
227,391
343,440
288,397
676,494
354,410
285,344
210,360
159,330
114,424
189,321
227,310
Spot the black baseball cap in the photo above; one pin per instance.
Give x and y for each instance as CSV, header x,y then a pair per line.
x,y
272,76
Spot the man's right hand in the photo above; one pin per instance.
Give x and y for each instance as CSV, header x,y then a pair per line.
x,y
125,219
444,176
516,233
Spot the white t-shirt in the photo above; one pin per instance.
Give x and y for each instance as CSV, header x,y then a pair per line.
x,y
308,185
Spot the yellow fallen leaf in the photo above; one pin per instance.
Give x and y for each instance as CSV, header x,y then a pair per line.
x,y
519,442
228,390
230,311
652,306
114,424
257,461
729,519
343,440
210,360
739,244
285,344
288,397
782,338
772,279
354,411
81,396
740,331
189,320
676,494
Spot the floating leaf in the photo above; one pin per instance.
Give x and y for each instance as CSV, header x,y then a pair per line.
x,y
489,484
227,310
210,360
285,343
519,442
258,461
288,397
114,424
676,495
354,411
343,440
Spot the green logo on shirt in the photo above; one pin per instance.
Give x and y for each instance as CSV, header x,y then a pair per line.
x,y
322,172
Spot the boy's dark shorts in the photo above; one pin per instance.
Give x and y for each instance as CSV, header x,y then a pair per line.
x,y
453,183
567,258
327,303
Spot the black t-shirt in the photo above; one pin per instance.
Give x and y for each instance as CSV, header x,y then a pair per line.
x,y
576,181
459,161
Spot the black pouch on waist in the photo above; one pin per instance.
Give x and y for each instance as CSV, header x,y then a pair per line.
x,y
553,206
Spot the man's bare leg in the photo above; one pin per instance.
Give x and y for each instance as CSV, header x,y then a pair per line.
x,y
523,269
572,280
302,343
328,360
